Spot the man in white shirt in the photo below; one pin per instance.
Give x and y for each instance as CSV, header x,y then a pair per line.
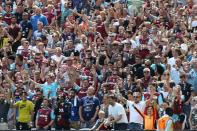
x,y
58,57
117,114
135,119
24,49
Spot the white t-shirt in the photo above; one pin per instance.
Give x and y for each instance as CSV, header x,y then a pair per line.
x,y
171,61
135,117
79,47
58,58
117,110
21,48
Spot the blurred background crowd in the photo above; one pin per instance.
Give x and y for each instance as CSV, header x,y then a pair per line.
x,y
98,64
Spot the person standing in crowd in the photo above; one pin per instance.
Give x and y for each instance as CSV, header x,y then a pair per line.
x,y
45,116
25,110
192,76
26,27
75,101
135,117
193,114
88,109
38,17
165,123
4,107
62,114
117,115
14,31
38,99
186,89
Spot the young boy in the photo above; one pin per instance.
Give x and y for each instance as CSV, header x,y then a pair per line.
x,y
99,125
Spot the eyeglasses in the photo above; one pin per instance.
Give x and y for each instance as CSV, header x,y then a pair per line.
x,y
166,74
146,71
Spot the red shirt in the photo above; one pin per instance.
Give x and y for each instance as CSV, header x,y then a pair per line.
x,y
49,16
82,93
119,37
7,18
44,117
100,27
178,106
14,31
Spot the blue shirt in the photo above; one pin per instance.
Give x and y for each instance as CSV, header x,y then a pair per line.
x,y
34,21
192,79
26,26
38,33
52,88
74,110
89,106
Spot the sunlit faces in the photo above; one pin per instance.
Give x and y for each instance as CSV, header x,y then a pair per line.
x,y
137,96
150,110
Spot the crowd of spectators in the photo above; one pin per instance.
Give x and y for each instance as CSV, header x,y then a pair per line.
x,y
98,64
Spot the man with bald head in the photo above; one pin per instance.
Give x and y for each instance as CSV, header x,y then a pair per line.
x,y
38,17
100,26
88,109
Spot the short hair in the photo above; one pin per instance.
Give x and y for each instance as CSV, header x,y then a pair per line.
x,y
146,69
58,48
129,92
13,16
182,75
40,22
101,112
112,96
169,111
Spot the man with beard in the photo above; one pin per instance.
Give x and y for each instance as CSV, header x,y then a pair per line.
x,y
4,107
45,116
62,114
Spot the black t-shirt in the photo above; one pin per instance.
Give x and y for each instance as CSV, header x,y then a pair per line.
x,y
26,26
19,17
37,107
138,71
186,90
4,108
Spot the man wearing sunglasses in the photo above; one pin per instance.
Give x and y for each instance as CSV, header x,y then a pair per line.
x,y
135,118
